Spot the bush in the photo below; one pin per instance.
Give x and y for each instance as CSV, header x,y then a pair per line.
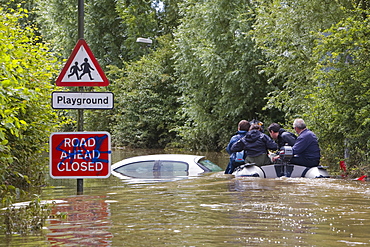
x,y
27,67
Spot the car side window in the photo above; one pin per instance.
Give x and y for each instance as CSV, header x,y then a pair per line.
x,y
173,168
154,169
138,169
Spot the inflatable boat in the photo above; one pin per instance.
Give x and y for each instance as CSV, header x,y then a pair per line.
x,y
281,169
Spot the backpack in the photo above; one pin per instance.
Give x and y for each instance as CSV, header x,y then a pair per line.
x,y
239,157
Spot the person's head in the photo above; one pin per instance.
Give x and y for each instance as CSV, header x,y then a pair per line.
x,y
274,130
255,127
299,125
244,125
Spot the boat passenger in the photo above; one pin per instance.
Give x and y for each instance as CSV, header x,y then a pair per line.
x,y
256,144
281,136
243,127
306,150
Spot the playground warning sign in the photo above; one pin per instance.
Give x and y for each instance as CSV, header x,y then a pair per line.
x,y
80,155
82,69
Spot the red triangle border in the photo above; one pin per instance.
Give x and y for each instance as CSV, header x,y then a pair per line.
x,y
59,82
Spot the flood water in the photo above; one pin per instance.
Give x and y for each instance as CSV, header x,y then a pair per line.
x,y
210,210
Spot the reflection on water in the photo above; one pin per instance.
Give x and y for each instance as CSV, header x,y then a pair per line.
x,y
212,210
88,222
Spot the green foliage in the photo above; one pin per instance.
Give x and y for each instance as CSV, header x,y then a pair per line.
x,y
104,30
25,110
27,219
285,31
168,16
216,62
317,58
132,19
139,17
343,86
58,24
146,101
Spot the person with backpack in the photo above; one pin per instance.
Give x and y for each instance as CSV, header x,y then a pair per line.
x,y
281,136
237,158
256,144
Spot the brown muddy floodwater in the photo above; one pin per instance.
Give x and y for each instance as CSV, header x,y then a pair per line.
x,y
211,210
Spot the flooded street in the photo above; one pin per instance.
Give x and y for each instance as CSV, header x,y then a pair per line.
x,y
211,210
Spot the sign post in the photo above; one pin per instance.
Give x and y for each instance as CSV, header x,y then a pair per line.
x,y
80,155
80,112
72,156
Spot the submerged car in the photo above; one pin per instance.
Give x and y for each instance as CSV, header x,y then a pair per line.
x,y
163,167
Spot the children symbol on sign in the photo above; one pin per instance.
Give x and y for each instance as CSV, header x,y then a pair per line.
x,y
74,70
86,69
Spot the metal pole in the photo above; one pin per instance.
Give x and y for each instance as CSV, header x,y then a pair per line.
x,y
81,19
80,120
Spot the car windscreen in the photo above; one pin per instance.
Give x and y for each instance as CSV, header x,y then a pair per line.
x,y
209,165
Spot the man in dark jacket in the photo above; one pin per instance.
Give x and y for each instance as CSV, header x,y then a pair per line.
x,y
256,144
282,137
243,127
306,150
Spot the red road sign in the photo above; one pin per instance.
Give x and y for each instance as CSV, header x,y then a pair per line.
x,y
82,69
80,155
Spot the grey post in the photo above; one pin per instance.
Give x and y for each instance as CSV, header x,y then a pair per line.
x,y
80,121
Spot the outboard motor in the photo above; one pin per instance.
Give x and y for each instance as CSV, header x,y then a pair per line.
x,y
285,169
286,153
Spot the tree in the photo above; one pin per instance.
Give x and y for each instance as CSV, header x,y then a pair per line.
x,y
104,30
286,32
111,30
145,90
147,101
343,86
216,63
26,115
316,54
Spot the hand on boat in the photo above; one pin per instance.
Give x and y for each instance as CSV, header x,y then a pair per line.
x,y
273,159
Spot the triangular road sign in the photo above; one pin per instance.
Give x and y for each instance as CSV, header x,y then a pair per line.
x,y
82,69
